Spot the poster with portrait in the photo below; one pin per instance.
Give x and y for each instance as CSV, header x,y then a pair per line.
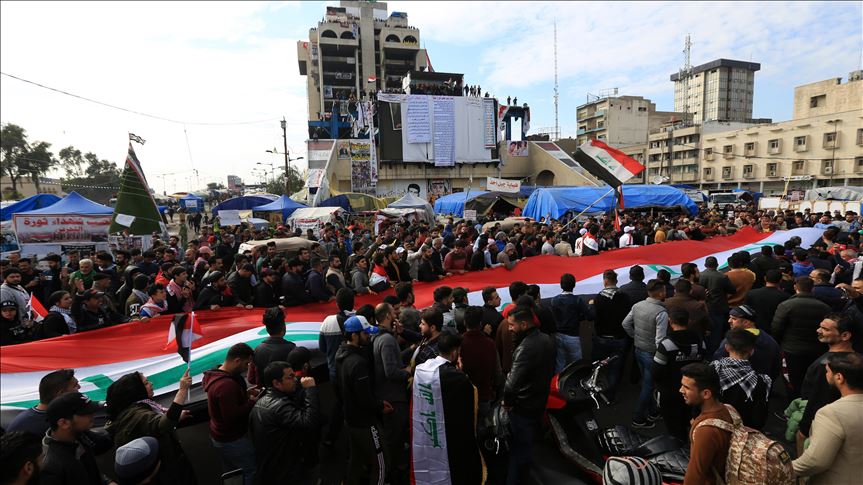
x,y
361,170
516,148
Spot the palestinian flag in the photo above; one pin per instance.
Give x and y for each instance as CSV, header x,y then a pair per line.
x,y
136,208
606,163
183,331
36,309
102,356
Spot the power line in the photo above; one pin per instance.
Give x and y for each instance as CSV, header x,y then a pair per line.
x,y
161,118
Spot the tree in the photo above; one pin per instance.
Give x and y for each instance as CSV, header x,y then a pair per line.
x,y
13,147
100,180
71,160
295,183
39,160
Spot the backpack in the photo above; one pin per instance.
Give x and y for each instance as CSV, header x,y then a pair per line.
x,y
752,457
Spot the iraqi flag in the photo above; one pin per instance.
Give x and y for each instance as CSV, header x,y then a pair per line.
x,y
36,309
184,330
606,163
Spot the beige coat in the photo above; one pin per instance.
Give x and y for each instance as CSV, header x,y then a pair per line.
x,y
836,444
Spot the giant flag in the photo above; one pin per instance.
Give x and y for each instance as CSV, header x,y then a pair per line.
x,y
101,356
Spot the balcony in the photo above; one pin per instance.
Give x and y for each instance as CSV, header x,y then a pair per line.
x,y
750,149
801,145
831,144
709,156
709,176
749,172
772,170
727,173
798,168
596,114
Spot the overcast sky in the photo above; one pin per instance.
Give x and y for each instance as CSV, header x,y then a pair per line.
x,y
226,63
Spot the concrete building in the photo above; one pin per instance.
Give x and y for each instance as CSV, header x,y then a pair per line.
x,y
355,50
718,90
672,154
621,120
821,146
26,187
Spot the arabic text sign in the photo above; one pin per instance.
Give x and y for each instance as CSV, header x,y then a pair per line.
x,y
444,131
419,119
503,185
61,228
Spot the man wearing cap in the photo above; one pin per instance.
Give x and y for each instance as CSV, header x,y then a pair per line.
x,y
268,293
293,285
316,285
362,411
766,357
92,312
626,240
11,290
137,462
70,457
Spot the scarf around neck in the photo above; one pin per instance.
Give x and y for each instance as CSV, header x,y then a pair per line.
x,y
67,316
734,372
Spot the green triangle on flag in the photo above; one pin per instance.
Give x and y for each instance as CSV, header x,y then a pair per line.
x,y
135,202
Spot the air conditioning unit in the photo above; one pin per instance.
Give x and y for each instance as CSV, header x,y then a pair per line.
x,y
828,170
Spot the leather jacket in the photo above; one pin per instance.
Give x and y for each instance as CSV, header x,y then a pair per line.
x,y
527,383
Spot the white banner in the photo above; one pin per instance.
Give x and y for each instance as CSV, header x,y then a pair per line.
x,y
229,218
430,460
444,131
494,184
314,178
419,120
490,134
61,228
126,219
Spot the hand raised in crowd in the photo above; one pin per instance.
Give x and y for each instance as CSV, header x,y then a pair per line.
x,y
214,307
307,382
185,381
79,285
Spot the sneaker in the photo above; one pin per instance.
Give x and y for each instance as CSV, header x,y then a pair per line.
x,y
642,424
654,417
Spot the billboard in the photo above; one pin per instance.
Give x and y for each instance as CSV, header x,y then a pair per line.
x,y
361,167
516,148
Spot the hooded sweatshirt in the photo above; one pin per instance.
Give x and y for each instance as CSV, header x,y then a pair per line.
x,y
228,403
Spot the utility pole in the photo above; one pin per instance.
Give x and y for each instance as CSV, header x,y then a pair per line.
x,y
556,92
287,163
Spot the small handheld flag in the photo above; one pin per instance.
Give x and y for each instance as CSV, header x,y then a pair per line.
x,y
183,331
36,310
608,164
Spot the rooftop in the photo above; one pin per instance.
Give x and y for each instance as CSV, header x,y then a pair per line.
x,y
752,66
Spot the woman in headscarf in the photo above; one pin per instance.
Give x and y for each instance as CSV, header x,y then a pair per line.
x,y
132,414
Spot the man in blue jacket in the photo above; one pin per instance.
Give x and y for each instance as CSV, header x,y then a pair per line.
x,y
569,310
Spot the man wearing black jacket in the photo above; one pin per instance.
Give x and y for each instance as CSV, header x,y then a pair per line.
x,y
636,289
526,389
279,423
272,349
766,299
70,455
267,291
611,306
212,296
362,411
293,285
240,282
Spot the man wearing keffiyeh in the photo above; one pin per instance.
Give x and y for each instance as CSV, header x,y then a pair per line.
x,y
739,385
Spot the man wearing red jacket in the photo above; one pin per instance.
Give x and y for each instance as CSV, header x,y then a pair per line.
x,y
229,403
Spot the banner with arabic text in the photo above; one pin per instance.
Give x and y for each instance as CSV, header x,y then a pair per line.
x,y
61,228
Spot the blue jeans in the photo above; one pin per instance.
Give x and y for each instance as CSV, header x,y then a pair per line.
x,y
568,350
604,347
645,402
522,429
237,454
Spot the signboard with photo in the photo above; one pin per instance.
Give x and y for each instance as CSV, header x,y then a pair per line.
x,y
59,229
517,148
361,171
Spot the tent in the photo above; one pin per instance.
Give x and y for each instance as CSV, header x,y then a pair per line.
x,y
835,193
283,203
72,204
37,201
246,202
482,201
192,203
356,202
313,218
557,201
410,201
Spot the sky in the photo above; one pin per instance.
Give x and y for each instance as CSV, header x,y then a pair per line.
x,y
225,73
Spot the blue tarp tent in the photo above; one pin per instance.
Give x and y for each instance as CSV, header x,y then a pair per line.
x,y
73,203
37,201
557,201
246,202
192,203
284,204
454,203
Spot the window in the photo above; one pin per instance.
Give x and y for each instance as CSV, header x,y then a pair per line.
x,y
708,151
774,144
748,170
827,167
749,148
818,101
708,173
642,108
858,164
728,149
829,137
798,165
772,169
800,140
726,172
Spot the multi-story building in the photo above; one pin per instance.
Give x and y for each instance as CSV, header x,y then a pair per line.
x,y
672,154
621,120
355,50
718,90
821,146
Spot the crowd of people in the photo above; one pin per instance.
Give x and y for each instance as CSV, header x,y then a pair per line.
x,y
786,320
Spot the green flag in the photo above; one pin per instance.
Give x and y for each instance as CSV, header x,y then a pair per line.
x,y
136,209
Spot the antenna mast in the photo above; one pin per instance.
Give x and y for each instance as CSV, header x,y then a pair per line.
x,y
685,73
556,122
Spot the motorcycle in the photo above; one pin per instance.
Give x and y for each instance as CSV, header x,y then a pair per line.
x,y
576,394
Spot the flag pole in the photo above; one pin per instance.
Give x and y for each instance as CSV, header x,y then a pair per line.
x,y
588,207
191,328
